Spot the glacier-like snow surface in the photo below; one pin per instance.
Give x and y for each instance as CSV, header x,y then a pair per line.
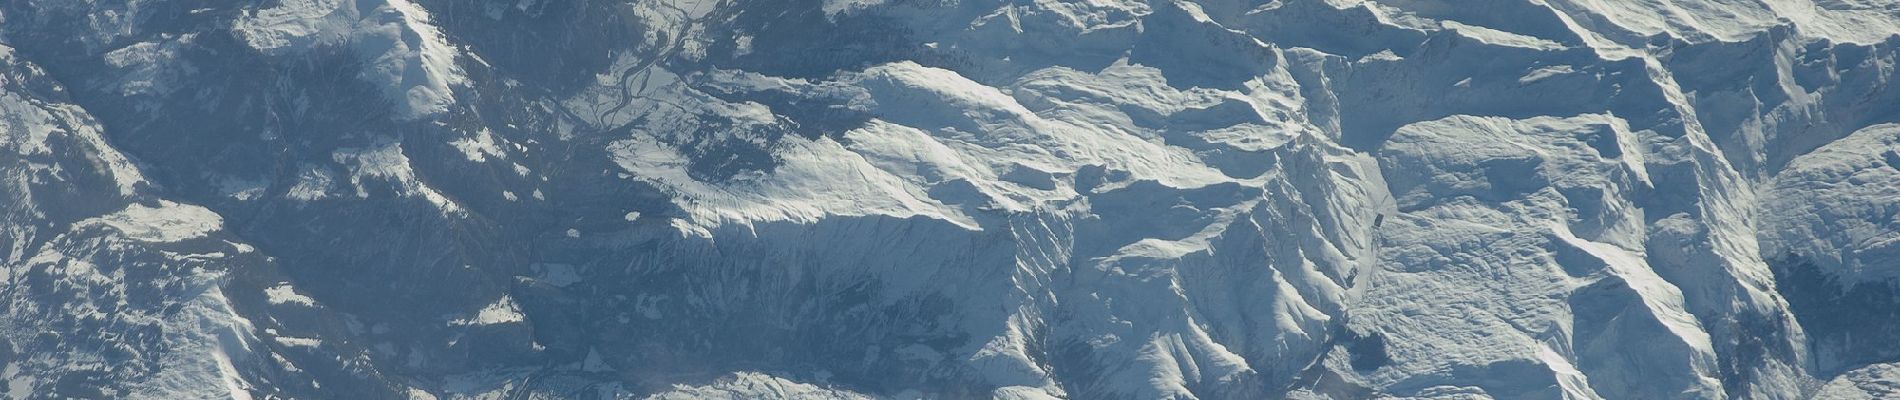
x,y
843,199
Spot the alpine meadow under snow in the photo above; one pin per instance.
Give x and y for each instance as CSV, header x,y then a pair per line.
x,y
948,199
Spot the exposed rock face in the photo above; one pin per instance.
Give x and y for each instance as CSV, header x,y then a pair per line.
x,y
421,199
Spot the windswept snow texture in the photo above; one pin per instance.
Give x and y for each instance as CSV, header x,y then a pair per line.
x,y
870,199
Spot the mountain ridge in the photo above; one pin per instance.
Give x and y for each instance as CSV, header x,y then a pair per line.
x,y
899,199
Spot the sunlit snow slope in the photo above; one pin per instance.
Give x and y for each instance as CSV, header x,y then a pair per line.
x,y
1087,199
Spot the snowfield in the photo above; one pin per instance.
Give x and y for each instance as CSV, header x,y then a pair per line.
x,y
868,199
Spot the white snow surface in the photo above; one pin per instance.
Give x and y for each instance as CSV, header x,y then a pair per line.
x,y
753,385
168,222
1839,207
502,311
1314,199
405,55
1878,381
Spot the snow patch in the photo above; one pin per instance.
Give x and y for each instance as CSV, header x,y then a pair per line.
x,y
299,342
283,294
168,222
385,162
753,385
834,8
502,311
479,147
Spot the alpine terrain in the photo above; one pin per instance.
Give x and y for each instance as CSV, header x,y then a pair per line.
x,y
950,199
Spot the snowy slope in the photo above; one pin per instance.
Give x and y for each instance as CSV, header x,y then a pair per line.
x,y
670,199
111,291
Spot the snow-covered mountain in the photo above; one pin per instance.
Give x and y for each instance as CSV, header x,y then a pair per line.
x,y
1015,199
